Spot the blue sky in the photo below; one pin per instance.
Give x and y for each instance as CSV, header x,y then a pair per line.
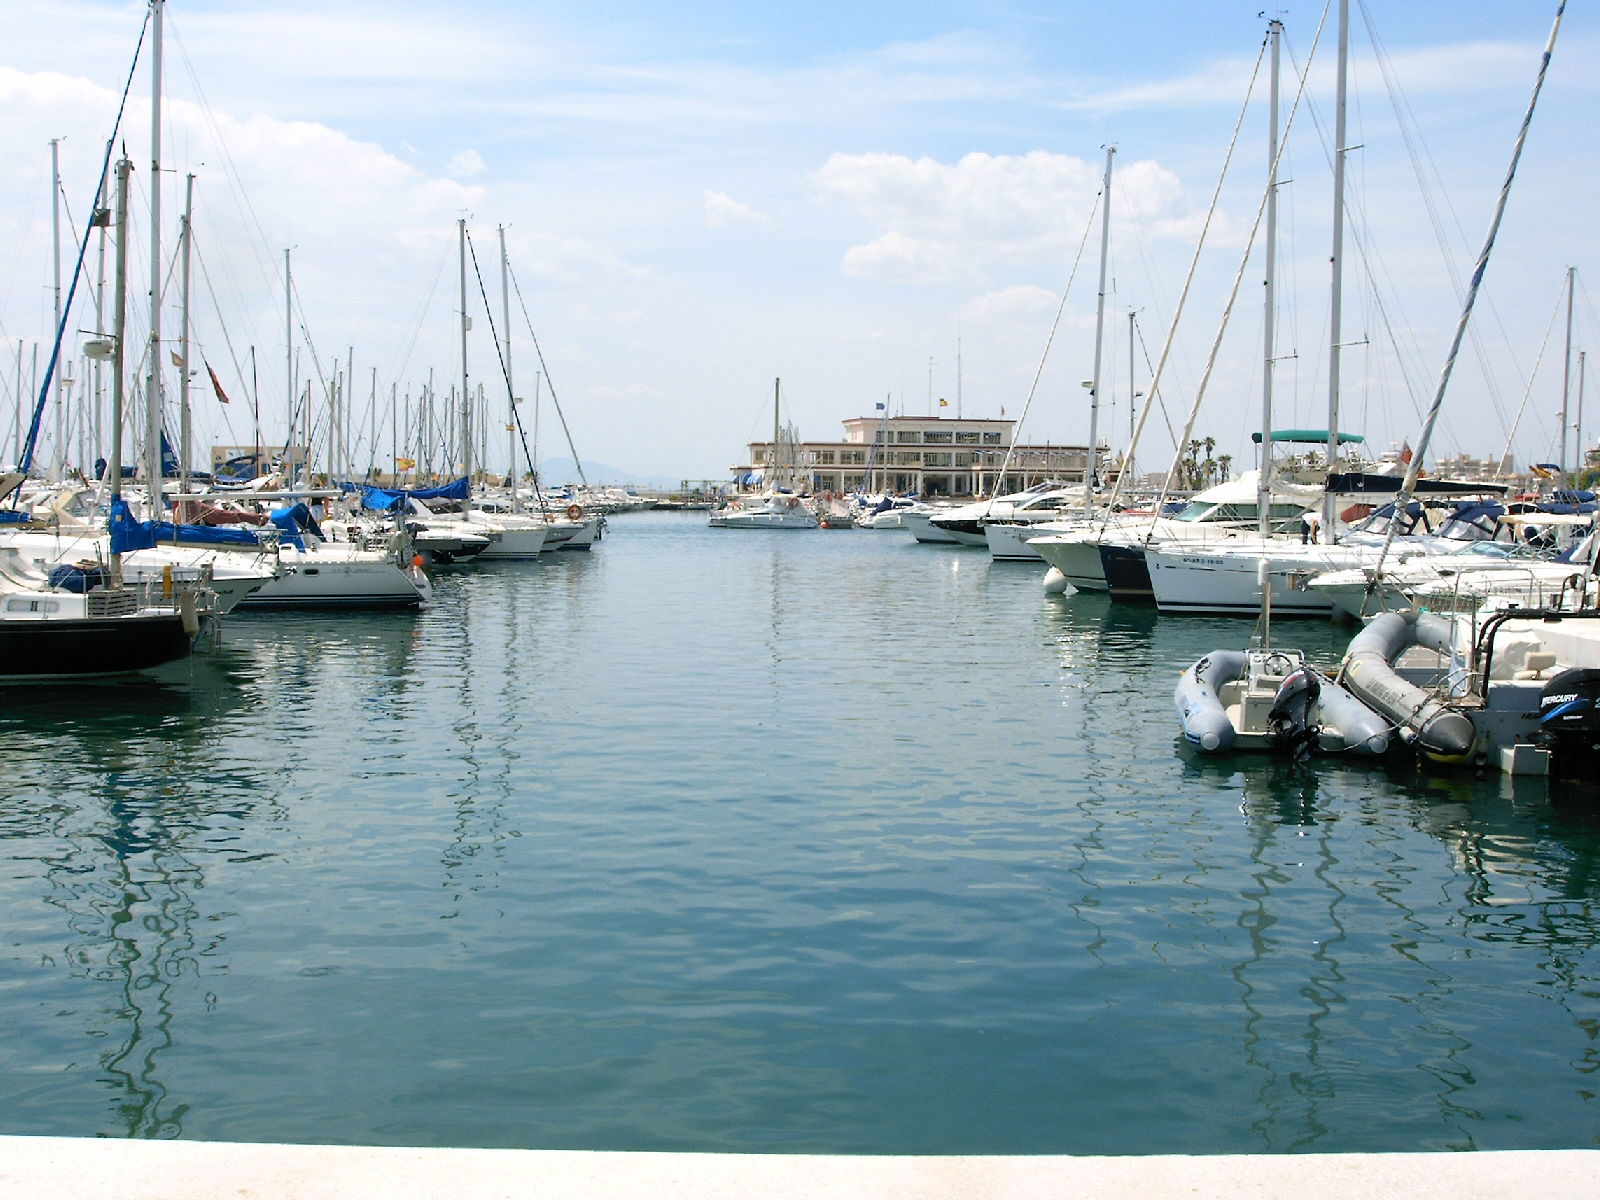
x,y
702,197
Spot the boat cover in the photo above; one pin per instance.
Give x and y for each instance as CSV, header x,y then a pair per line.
x,y
384,499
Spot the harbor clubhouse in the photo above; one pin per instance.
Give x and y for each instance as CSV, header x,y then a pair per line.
x,y
926,456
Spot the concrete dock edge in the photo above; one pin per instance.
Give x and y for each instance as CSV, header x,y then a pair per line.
x,y
36,1168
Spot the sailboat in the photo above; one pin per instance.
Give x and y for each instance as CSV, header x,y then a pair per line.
x,y
83,620
1266,697
778,507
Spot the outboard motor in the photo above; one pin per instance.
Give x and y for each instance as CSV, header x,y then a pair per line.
x,y
1293,730
1569,724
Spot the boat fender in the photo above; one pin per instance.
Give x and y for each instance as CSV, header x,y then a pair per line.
x,y
574,512
188,615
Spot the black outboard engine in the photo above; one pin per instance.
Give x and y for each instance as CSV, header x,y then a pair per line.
x,y
1569,724
1293,731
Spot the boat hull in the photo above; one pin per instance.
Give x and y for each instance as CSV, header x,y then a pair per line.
x,y
92,647
1077,558
1205,584
1127,574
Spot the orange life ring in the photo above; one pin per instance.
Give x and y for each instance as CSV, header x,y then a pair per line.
x,y
574,512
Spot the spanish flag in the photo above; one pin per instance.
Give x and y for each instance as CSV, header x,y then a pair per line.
x,y
943,403
404,464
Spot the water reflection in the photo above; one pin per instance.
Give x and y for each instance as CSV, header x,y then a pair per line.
x,y
124,858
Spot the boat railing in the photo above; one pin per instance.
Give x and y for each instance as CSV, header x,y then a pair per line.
x,y
111,602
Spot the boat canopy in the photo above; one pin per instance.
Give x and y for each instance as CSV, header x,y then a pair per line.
x,y
1311,437
1363,483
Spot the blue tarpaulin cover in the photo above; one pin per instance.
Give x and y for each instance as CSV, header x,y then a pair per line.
x,y
383,499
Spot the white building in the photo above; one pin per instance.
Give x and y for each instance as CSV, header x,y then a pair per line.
x,y
928,456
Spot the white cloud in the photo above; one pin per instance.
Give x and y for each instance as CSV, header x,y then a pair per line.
x,y
896,258
1024,300
724,212
967,220
465,165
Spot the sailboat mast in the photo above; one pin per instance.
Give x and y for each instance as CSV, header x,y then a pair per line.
x,y
55,241
184,426
1577,427
958,375
1133,394
772,483
119,323
1566,378
288,360
1269,295
1336,297
152,427
102,219
511,391
466,323
1091,468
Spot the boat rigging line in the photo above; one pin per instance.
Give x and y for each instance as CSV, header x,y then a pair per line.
x,y
25,465
1188,283
556,403
1414,468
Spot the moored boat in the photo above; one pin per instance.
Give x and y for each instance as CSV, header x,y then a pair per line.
x,y
1269,699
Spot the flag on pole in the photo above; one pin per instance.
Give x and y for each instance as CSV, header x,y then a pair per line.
x,y
216,384
943,403
176,361
879,406
404,464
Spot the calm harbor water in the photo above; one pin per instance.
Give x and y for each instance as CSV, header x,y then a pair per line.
x,y
751,841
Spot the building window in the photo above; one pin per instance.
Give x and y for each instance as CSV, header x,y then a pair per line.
x,y
991,439
967,437
937,437
825,458
908,435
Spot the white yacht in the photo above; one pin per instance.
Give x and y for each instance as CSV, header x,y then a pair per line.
x,y
770,510
1083,553
1043,502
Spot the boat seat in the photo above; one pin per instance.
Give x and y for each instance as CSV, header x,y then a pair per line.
x,y
1535,665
